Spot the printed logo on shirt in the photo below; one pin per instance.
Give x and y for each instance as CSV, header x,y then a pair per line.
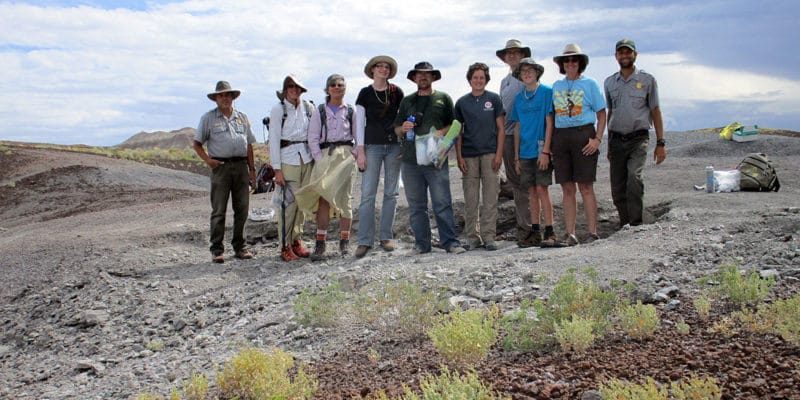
x,y
568,103
488,106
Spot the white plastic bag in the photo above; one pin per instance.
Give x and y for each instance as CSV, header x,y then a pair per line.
x,y
727,181
426,148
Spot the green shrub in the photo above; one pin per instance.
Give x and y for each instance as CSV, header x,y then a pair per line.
x,y
448,386
787,321
154,345
619,390
196,388
398,309
682,328
694,388
639,320
148,396
575,335
781,318
702,305
465,337
254,374
519,328
322,308
742,290
533,326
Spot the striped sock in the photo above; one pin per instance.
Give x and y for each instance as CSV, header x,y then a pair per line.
x,y
322,234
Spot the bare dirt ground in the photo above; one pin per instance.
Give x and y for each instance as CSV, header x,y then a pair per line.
x,y
100,257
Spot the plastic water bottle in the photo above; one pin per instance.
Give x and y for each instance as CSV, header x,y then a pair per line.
x,y
709,179
410,134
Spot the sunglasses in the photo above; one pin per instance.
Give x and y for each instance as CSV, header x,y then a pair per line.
x,y
226,94
571,60
292,86
336,85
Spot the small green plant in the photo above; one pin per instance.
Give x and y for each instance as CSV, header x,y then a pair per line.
x,y
398,308
256,374
465,337
148,396
519,327
693,388
448,386
322,308
787,321
682,328
742,290
702,304
639,321
575,335
696,388
196,388
725,327
154,345
620,390
373,355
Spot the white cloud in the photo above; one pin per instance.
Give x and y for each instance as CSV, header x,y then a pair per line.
x,y
97,76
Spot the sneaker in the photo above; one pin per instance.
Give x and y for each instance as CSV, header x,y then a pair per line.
x,y
244,254
299,250
592,237
456,250
570,240
533,240
287,254
474,245
387,245
344,246
319,251
490,246
361,250
218,258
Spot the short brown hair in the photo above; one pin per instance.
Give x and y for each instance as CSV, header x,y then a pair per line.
x,y
478,66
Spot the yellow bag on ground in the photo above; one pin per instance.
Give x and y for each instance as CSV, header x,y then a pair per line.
x,y
727,132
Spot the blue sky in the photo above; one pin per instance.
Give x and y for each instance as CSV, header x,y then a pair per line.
x,y
98,72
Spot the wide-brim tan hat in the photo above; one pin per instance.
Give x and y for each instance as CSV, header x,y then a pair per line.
x,y
513,44
571,49
424,66
379,59
293,79
223,87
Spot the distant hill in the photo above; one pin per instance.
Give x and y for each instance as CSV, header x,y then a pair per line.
x,y
181,139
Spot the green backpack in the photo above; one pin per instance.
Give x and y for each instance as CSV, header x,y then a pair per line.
x,y
758,174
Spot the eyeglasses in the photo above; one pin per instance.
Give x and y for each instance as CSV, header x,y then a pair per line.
x,y
570,106
382,65
527,71
336,85
571,60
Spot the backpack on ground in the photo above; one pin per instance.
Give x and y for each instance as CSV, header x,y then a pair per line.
x,y
758,174
265,179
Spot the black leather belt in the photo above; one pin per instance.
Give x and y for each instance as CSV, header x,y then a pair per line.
x,y
285,143
629,136
325,145
230,159
575,128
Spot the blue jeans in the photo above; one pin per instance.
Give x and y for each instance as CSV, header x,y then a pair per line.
x,y
418,181
387,155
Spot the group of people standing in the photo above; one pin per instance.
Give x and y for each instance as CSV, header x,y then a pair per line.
x,y
531,129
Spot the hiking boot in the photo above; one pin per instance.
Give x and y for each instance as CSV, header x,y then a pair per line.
x,y
592,237
361,250
243,254
344,246
474,245
299,250
319,251
456,249
387,245
490,246
550,240
287,254
569,240
415,252
533,240
218,258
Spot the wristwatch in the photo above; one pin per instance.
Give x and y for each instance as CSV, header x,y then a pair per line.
x,y
661,142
